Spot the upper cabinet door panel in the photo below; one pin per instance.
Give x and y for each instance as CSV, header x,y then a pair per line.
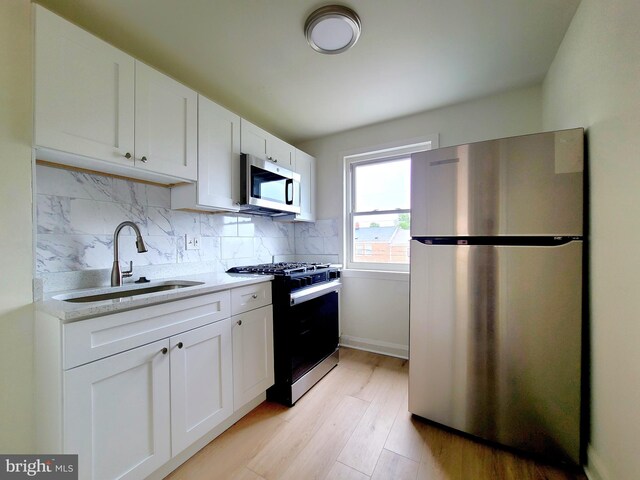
x,y
218,155
166,125
253,139
84,92
280,152
256,141
306,166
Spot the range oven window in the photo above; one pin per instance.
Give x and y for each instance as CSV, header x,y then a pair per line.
x,y
314,332
270,186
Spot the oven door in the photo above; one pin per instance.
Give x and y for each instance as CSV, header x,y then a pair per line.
x,y
313,322
269,186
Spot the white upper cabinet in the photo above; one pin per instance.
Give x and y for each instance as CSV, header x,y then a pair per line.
x,y
305,165
218,186
90,99
166,139
84,92
256,141
281,152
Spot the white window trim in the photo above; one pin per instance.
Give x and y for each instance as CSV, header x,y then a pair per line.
x,y
364,155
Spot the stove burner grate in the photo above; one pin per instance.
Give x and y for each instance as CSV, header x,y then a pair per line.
x,y
281,268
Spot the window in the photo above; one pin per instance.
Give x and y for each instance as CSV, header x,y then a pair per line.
x,y
378,213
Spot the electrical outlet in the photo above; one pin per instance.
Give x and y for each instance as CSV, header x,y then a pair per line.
x,y
192,242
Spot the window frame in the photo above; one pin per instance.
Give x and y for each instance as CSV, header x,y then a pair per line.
x,y
372,156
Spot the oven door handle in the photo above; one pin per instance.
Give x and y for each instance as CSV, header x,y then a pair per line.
x,y
312,292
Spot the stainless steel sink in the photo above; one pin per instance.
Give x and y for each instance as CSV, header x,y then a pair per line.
x,y
129,292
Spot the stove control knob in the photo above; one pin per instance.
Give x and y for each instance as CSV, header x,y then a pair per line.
x,y
308,280
296,283
334,274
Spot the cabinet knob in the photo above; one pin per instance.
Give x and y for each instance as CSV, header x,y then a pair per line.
x,y
127,155
254,296
164,350
239,322
144,159
180,345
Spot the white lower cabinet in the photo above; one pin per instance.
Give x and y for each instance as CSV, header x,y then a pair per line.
x,y
201,382
139,408
116,413
129,392
252,354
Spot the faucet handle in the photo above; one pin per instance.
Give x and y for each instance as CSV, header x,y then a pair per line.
x,y
128,273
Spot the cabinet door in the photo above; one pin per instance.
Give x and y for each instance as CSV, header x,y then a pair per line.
x,y
259,142
166,125
253,139
252,354
116,413
218,156
306,167
84,92
281,152
201,382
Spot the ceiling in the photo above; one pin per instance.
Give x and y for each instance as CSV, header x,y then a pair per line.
x,y
251,56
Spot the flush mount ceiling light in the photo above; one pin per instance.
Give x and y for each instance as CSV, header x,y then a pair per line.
x,y
332,29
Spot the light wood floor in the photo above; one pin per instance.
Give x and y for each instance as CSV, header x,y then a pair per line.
x,y
353,425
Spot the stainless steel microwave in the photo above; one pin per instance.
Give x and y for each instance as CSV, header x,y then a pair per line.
x,y
267,188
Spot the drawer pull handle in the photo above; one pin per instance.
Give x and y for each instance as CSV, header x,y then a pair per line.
x,y
239,322
127,155
164,350
180,345
254,296
144,159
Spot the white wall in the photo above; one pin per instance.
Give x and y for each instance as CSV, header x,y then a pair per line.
x,y
594,82
375,310
16,316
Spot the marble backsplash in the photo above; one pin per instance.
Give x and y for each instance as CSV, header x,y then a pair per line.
x,y
76,214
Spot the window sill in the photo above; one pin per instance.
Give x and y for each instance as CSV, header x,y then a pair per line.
x,y
376,274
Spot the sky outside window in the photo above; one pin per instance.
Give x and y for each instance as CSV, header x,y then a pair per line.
x,y
383,186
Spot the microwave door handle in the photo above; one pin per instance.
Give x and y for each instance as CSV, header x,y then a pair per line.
x,y
289,188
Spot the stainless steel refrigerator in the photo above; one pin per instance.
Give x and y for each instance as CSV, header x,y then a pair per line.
x,y
496,305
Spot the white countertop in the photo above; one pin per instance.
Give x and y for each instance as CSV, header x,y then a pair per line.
x,y
54,304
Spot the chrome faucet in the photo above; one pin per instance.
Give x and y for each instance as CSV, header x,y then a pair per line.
x,y
116,274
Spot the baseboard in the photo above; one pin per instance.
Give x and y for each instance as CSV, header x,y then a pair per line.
x,y
595,469
375,346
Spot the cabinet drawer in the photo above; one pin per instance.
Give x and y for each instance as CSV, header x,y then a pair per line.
x,y
88,340
251,297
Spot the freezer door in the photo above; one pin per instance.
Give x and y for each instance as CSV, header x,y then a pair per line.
x,y
528,185
495,343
